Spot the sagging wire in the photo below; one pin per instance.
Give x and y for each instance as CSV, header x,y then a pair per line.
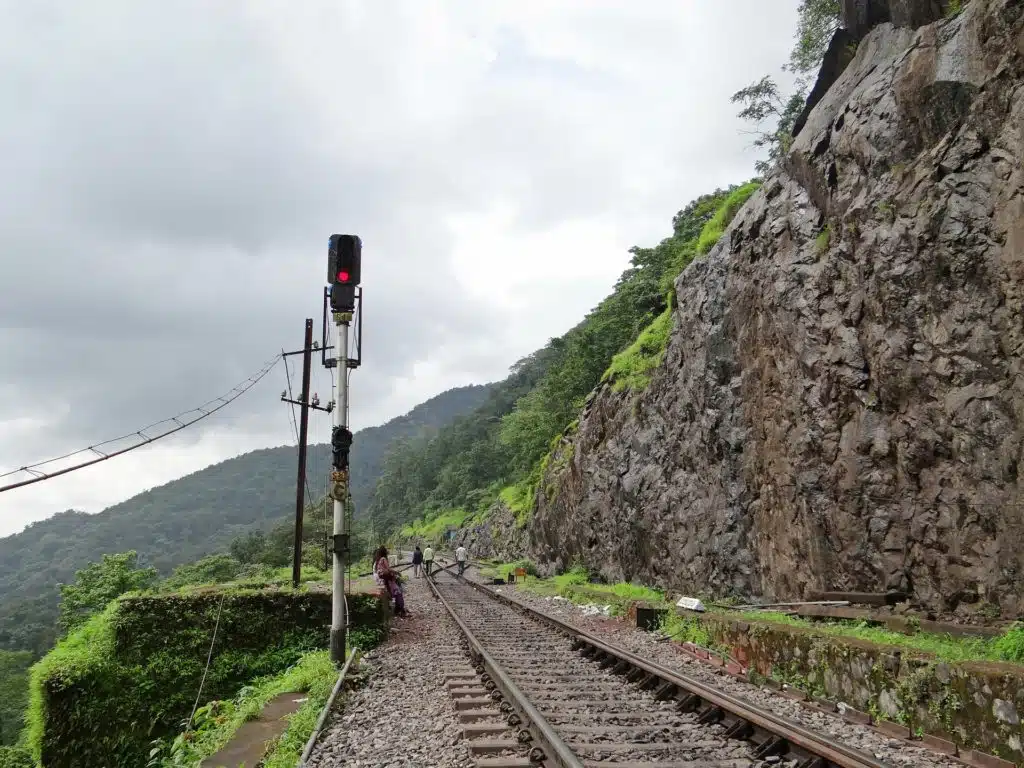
x,y
204,410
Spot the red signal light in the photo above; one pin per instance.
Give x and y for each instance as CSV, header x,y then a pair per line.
x,y
343,276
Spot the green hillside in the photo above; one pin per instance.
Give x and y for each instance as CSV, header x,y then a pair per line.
x,y
190,517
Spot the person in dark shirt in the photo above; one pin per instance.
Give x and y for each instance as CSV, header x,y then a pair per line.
x,y
417,561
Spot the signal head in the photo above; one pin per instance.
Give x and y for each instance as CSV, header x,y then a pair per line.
x,y
344,256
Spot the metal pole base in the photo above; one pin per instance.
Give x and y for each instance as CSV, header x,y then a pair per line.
x,y
338,646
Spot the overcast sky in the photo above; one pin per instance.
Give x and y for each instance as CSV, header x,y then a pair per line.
x,y
172,171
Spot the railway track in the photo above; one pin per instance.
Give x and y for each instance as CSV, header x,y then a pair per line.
x,y
542,692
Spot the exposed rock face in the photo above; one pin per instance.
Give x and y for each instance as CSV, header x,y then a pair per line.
x,y
859,17
841,405
837,57
497,537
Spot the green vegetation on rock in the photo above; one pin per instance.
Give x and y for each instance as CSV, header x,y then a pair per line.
x,y
1006,647
432,528
631,368
715,228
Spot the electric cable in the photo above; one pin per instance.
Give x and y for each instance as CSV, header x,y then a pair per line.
x,y
209,658
295,427
179,421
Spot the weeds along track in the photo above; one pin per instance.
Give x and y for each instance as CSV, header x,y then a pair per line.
x,y
545,693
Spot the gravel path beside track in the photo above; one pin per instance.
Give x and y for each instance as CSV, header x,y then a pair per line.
x,y
403,716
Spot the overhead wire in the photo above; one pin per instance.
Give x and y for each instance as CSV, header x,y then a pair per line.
x,y
295,427
180,421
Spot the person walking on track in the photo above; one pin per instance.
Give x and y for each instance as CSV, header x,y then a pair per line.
x,y
428,559
461,556
417,561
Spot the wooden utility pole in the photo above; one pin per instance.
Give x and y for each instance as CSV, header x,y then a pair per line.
x,y
300,483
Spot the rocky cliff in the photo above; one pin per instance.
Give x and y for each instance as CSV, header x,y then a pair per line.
x,y
841,403
497,537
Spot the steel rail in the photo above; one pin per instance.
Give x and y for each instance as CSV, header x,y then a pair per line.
x,y
814,747
558,752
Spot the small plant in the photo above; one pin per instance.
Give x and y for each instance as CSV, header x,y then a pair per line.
x,y
821,242
1010,645
990,611
365,638
954,8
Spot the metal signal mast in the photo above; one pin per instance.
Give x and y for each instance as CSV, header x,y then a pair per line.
x,y
344,256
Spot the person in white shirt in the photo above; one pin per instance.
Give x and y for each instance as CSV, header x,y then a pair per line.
x,y
428,559
461,555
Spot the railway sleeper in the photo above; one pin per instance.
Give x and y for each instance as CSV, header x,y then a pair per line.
x,y
607,661
475,730
621,667
665,691
613,748
649,683
741,729
689,703
710,714
775,745
490,746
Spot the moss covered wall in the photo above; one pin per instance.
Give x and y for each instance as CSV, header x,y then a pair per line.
x,y
132,674
973,704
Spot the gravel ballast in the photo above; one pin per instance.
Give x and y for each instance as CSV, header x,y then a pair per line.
x,y
403,715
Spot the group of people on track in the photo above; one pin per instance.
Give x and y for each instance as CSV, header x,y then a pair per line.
x,y
422,564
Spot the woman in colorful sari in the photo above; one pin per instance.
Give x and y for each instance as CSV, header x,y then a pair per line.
x,y
390,579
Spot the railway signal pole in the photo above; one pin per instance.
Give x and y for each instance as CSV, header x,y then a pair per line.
x,y
344,257
300,483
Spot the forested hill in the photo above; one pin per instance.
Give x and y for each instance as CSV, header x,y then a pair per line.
x,y
185,519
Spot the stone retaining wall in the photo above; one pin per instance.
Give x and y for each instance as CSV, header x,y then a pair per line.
x,y
961,706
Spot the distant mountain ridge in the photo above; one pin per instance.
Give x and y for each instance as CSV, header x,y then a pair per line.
x,y
190,517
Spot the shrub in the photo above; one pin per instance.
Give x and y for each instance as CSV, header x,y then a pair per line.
x,y
214,569
133,672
